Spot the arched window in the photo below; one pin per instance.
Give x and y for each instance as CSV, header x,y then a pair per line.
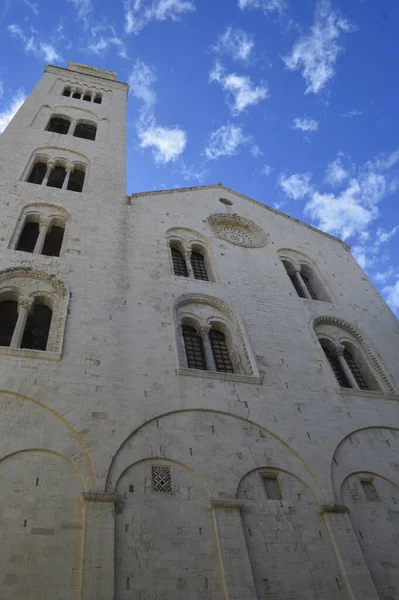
x,y
350,361
77,94
292,274
57,176
58,125
335,365
37,173
98,99
307,279
87,97
194,348
179,262
8,320
304,277
28,238
76,179
220,351
37,328
86,131
198,266
54,238
66,91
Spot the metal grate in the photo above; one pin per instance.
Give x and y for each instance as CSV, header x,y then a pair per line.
x,y
220,351
306,281
272,488
194,348
179,264
369,491
198,265
355,370
336,367
296,284
161,479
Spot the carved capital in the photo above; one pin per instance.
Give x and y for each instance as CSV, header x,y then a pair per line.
x,y
24,304
338,350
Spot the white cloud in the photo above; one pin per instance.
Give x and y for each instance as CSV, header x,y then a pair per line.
x,y
384,276
385,236
391,293
138,13
351,113
316,53
296,186
336,173
101,45
7,114
268,6
241,92
225,141
193,173
83,8
33,6
256,151
41,50
305,124
236,43
167,143
360,255
266,170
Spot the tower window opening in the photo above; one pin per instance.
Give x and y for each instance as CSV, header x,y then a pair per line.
x,y
76,180
27,239
77,95
37,328
198,266
66,92
98,99
87,97
37,173
57,176
86,131
53,241
8,320
58,125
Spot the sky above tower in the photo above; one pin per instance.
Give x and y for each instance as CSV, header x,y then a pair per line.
x,y
291,102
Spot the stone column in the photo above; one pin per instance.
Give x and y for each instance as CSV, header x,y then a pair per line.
x,y
339,351
302,284
352,564
237,578
187,258
24,307
210,361
50,166
43,227
68,171
98,546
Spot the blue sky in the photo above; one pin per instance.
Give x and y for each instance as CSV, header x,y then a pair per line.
x,y
291,102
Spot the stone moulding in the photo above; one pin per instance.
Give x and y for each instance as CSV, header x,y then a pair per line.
x,y
237,230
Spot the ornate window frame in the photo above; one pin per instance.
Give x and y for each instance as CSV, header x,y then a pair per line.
x,y
221,317
24,285
237,230
187,241
340,333
297,261
46,215
53,156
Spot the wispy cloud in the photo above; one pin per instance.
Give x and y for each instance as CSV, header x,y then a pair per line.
x,y
41,50
84,8
296,186
138,13
305,124
7,113
100,45
336,173
241,92
236,43
266,170
351,113
256,151
193,173
167,143
268,6
316,53
391,293
225,141
34,6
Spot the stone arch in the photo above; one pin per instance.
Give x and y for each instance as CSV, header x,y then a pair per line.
x,y
350,333
298,262
219,311
187,241
39,212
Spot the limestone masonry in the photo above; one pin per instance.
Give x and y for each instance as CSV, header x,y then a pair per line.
x,y
199,393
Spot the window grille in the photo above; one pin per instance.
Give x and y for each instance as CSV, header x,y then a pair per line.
x,y
336,367
306,281
179,263
355,370
161,479
297,285
272,488
369,491
220,351
194,348
198,265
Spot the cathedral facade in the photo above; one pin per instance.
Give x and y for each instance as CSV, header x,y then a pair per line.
x,y
199,393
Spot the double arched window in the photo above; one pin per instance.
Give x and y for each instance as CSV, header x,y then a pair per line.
x,y
349,355
40,230
33,309
57,173
211,338
303,276
81,129
189,253
82,94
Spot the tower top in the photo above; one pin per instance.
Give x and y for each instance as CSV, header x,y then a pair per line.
x,y
87,70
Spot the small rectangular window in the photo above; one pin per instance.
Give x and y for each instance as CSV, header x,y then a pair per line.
x,y
161,479
272,488
369,491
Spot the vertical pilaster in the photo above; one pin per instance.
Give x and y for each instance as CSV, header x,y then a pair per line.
x,y
43,227
352,564
237,577
98,547
339,350
303,285
24,308
210,361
